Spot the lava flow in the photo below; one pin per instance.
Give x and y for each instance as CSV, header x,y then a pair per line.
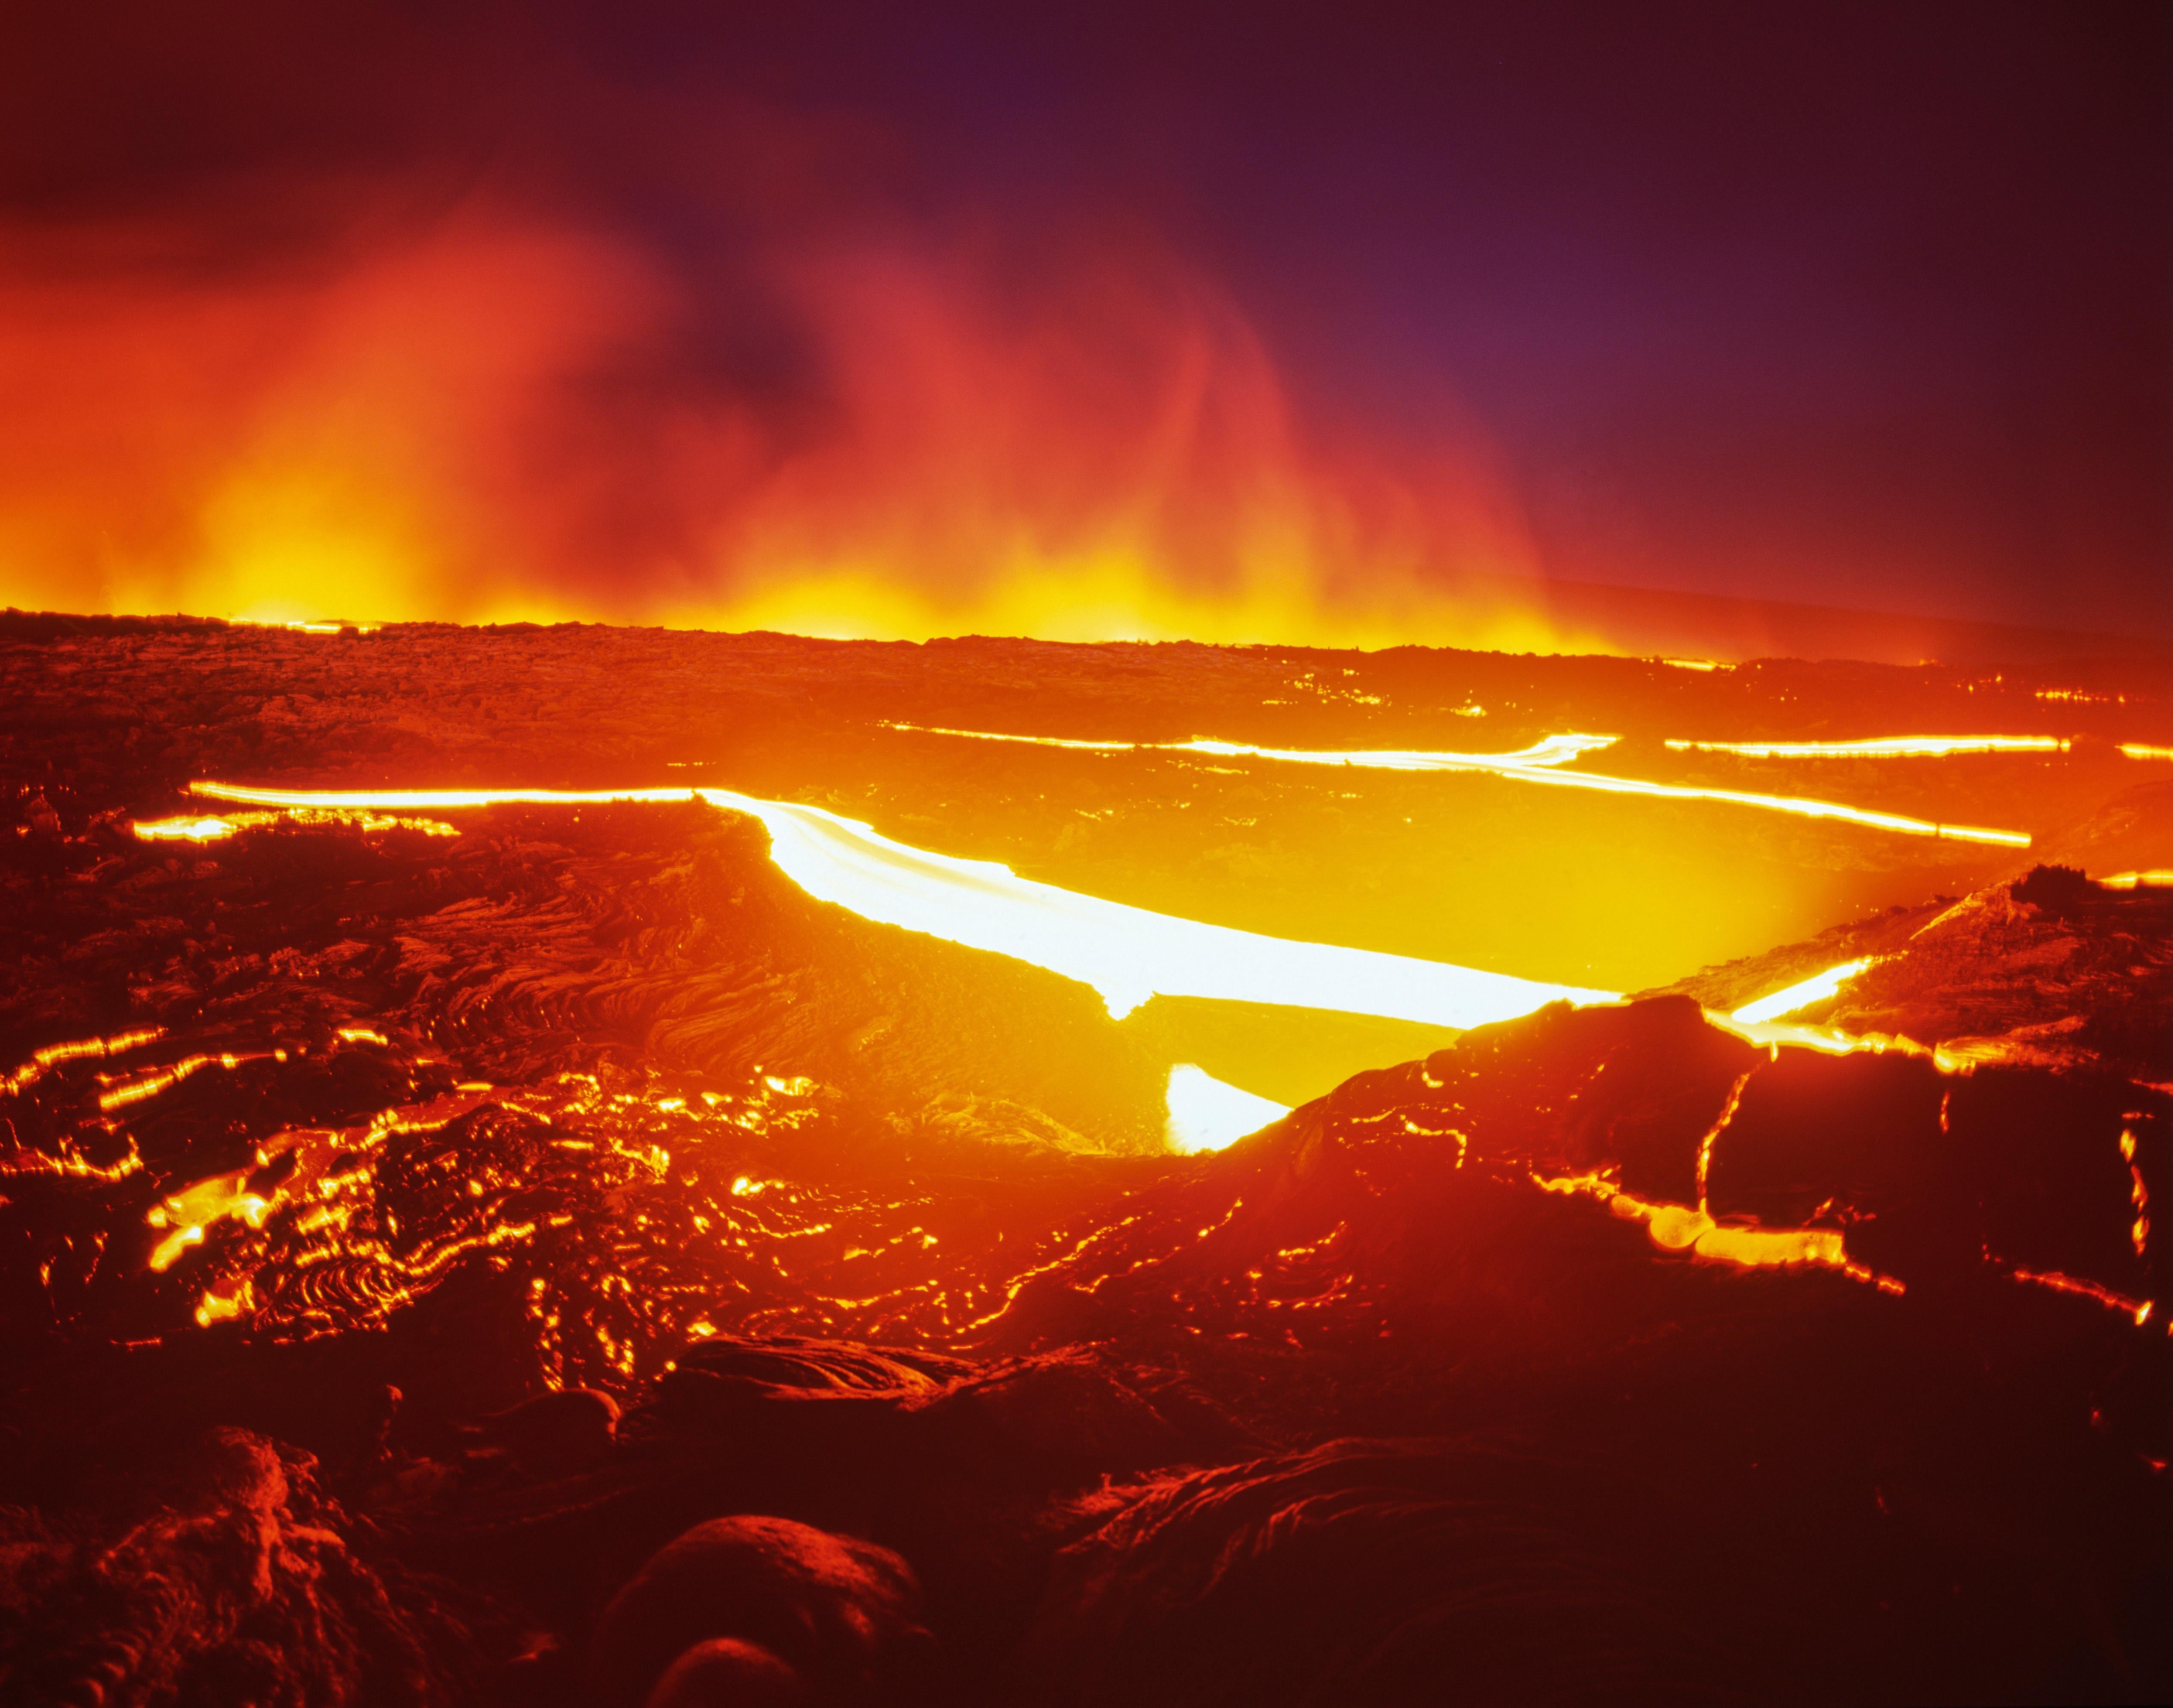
x,y
1546,761
1127,954
1880,747
1095,858
473,1189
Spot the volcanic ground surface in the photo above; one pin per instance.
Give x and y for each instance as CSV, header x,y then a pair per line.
x,y
413,1219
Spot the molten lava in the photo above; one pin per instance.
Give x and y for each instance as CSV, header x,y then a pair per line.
x,y
1127,954
1545,762
1206,1114
1675,1227
1880,747
215,829
1816,988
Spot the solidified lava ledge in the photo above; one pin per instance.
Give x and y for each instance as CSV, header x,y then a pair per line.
x,y
540,1253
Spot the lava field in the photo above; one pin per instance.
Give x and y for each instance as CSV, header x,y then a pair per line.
x,y
458,1248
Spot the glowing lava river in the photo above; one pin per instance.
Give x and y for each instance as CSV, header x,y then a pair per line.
x,y
1128,954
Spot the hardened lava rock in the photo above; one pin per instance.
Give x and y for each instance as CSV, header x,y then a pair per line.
x,y
837,1617
229,1578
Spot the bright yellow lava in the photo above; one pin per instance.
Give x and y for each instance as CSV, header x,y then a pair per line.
x,y
1553,750
186,829
1127,954
1679,1227
187,1213
1880,747
1541,763
78,1050
317,627
2136,750
1802,995
164,1079
211,829
2153,879
1206,1114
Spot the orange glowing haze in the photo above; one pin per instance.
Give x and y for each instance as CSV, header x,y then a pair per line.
x,y
483,421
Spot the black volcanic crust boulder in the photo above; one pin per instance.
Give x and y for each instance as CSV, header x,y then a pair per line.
x,y
838,1616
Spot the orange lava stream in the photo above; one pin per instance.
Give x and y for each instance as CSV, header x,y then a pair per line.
x,y
1127,954
322,1203
1678,1227
1206,1114
77,1050
1542,763
2138,1309
1880,747
159,1079
184,828
1553,750
2138,1196
1765,1022
1816,988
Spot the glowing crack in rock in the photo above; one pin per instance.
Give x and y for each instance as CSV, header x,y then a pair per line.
x,y
1802,995
1207,1114
2137,1310
1880,747
1680,1227
150,1085
1127,954
1545,762
78,1050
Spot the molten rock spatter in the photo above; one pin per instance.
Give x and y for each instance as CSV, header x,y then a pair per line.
x,y
842,1614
